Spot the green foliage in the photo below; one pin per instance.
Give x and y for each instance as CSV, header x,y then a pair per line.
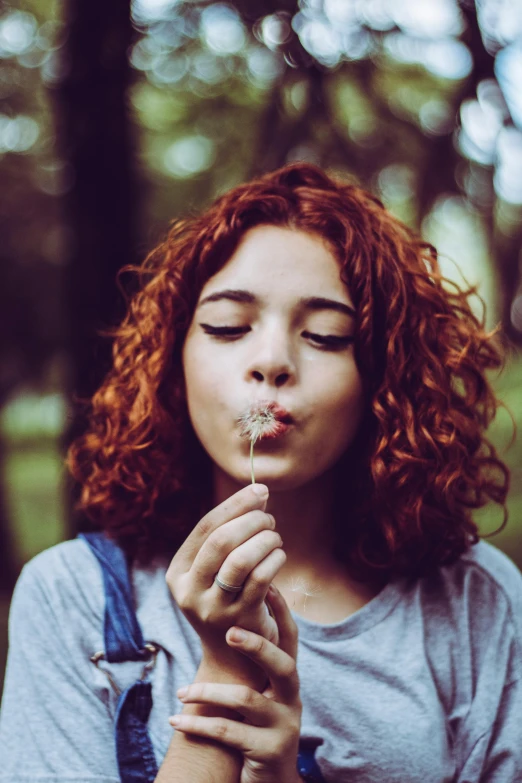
x,y
33,477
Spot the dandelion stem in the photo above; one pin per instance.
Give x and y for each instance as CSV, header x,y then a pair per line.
x,y
252,459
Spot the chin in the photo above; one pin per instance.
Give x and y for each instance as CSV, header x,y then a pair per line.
x,y
279,479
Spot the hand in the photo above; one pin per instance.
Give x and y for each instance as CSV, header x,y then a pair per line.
x,y
268,735
237,540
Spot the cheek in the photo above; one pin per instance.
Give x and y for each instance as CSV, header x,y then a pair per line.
x,y
194,374
204,364
206,384
198,367
341,389
343,405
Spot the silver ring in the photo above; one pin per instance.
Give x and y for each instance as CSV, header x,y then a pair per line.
x,y
228,588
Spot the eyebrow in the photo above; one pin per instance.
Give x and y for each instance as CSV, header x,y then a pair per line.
x,y
309,303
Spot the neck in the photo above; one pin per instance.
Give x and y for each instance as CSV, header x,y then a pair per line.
x,y
304,518
311,577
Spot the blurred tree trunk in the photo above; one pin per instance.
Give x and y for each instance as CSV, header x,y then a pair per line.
x,y
94,137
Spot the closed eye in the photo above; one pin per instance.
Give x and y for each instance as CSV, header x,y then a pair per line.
x,y
329,341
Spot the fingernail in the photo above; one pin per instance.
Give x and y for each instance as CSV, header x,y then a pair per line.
x,y
174,720
181,692
237,635
260,490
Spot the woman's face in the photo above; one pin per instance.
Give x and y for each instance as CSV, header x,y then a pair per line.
x,y
275,355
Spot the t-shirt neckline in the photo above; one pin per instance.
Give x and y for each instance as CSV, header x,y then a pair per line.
x,y
361,620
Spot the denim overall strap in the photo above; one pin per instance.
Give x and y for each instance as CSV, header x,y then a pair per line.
x,y
124,642
122,632
136,759
306,763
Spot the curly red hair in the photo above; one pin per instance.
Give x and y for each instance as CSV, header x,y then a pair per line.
x,y
420,462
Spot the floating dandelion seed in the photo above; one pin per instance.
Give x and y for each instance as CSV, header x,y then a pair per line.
x,y
258,421
299,585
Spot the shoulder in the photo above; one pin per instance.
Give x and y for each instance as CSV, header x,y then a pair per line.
x,y
497,578
475,606
496,568
62,584
67,564
486,574
482,575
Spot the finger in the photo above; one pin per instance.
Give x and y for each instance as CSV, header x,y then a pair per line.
x,y
243,501
228,732
258,581
255,708
279,666
288,631
227,539
244,559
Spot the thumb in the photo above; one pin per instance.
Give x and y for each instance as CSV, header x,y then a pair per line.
x,y
264,501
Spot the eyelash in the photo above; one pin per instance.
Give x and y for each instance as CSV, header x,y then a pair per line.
x,y
329,342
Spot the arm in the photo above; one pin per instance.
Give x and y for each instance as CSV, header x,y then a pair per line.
x,y
496,754
267,729
488,742
54,722
199,759
235,538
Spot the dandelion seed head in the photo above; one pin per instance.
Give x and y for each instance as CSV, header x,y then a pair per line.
x,y
258,421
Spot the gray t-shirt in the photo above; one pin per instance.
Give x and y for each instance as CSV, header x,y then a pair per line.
x,y
423,683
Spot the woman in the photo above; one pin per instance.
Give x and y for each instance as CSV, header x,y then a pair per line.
x,y
391,648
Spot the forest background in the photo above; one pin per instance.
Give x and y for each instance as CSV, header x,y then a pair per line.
x,y
117,117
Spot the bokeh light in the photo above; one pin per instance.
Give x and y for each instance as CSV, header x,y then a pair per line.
x,y
428,19
508,68
508,175
189,156
481,125
17,33
17,134
500,22
222,29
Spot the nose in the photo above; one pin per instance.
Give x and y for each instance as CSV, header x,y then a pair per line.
x,y
271,358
